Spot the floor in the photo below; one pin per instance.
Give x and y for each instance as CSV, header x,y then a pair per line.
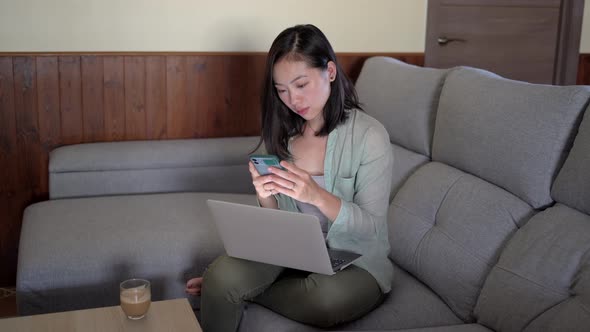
x,y
7,302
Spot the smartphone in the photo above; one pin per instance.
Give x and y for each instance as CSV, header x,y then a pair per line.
x,y
263,162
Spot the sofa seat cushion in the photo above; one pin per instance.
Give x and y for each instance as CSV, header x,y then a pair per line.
x,y
447,228
74,252
542,280
409,304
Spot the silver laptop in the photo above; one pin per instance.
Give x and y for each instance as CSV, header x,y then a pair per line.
x,y
277,237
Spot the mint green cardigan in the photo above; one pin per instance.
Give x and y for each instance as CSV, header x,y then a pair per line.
x,y
358,169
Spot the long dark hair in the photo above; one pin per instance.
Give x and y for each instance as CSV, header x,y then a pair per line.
x,y
301,43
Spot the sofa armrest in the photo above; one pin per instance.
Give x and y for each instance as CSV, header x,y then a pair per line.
x,y
138,167
73,253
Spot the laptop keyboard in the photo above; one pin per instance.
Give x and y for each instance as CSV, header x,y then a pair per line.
x,y
336,262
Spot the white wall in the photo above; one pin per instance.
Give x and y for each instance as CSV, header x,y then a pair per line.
x,y
207,25
213,25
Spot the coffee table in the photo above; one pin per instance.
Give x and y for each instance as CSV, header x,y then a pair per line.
x,y
170,315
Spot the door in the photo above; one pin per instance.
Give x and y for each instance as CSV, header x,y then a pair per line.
x,y
530,40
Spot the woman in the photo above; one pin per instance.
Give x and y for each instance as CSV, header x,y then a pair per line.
x,y
338,165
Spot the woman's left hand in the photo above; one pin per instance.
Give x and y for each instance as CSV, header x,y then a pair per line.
x,y
295,183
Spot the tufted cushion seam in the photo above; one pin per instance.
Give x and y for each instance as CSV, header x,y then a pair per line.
x,y
581,304
542,312
557,292
458,244
424,221
442,201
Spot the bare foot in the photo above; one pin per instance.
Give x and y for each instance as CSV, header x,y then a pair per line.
x,y
193,286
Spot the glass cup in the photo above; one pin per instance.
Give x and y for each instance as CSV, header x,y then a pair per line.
x,y
136,297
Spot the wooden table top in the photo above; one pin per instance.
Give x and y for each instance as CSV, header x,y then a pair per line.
x,y
170,315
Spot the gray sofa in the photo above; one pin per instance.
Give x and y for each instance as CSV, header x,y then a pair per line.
x,y
489,216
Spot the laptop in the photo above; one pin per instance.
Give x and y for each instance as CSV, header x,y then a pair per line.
x,y
283,238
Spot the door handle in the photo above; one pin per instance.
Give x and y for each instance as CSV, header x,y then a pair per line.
x,y
443,40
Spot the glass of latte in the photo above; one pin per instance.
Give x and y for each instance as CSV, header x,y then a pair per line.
x,y
136,296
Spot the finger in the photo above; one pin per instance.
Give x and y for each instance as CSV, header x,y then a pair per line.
x,y
260,181
278,181
194,282
253,170
284,175
193,291
292,168
284,191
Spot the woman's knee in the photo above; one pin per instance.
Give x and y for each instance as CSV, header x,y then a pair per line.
x,y
222,279
330,304
235,279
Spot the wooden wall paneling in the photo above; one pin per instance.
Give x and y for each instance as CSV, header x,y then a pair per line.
x,y
50,119
114,98
416,59
92,98
27,123
215,96
135,115
155,97
10,198
177,123
198,97
351,65
8,145
254,76
229,116
240,83
70,99
218,99
583,77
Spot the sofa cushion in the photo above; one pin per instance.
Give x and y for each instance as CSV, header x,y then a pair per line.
x,y
572,186
409,304
74,252
447,228
405,162
135,167
451,328
404,98
542,280
510,133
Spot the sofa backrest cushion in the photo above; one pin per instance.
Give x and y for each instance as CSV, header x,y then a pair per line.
x,y
404,98
510,133
134,167
447,228
572,186
405,162
542,280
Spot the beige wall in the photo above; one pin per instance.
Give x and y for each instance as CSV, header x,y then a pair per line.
x,y
213,25
207,25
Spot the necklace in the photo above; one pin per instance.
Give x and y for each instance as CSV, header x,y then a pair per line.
x,y
311,128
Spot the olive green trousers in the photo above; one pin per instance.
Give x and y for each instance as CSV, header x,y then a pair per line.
x,y
309,298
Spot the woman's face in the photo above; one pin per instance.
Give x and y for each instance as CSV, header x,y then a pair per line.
x,y
303,89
